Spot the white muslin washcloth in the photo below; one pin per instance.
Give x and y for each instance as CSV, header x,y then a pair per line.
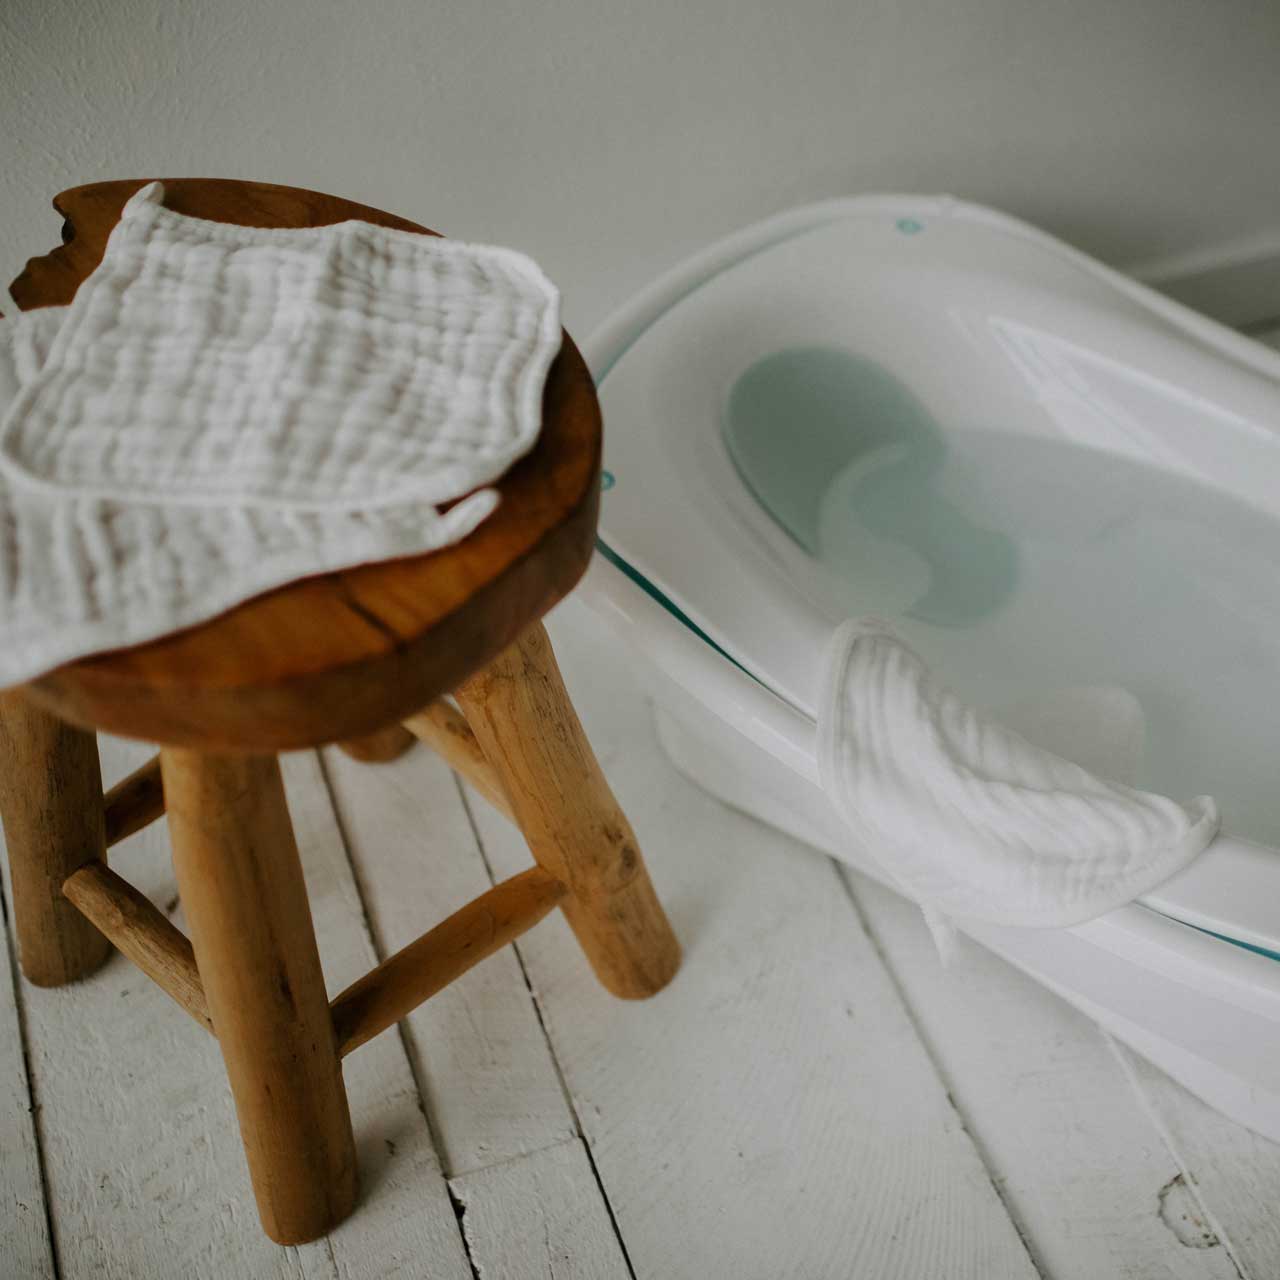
x,y
970,819
100,548
343,367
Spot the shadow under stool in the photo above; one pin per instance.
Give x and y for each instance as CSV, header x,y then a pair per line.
x,y
364,657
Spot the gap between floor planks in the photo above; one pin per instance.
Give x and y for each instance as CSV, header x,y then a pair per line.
x,y
25,1245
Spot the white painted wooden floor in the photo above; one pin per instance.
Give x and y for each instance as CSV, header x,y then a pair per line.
x,y
813,1097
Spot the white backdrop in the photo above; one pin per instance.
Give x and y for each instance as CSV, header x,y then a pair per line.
x,y
609,139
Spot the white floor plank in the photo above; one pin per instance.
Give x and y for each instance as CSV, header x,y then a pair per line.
x,y
1229,1182
1080,1165
487,1075
539,1215
24,1229
145,1171
772,1113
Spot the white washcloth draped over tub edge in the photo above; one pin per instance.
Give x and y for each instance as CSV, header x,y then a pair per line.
x,y
968,818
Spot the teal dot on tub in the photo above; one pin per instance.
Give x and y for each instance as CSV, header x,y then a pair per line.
x,y
606,481
909,226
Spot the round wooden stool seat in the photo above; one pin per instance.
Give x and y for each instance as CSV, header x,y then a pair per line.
x,y
340,655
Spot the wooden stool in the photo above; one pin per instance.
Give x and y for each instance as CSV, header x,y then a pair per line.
x,y
354,657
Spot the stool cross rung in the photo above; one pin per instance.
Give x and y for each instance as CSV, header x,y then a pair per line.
x,y
416,972
445,730
391,991
134,802
131,922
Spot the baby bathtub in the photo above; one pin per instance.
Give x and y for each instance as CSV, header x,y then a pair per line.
x,y
991,349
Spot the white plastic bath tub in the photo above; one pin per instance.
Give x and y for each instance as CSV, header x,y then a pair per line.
x,y
1000,342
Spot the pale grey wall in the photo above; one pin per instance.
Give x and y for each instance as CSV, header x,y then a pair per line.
x,y
609,139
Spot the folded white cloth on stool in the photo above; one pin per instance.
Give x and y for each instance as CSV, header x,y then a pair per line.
x,y
970,819
342,367
157,467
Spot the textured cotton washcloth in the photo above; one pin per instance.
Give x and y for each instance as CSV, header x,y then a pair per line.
x,y
342,367
970,819
100,549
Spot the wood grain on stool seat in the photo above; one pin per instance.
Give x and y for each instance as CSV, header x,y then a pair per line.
x,y
344,654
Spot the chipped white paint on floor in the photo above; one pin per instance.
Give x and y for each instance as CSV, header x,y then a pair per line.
x,y
813,1097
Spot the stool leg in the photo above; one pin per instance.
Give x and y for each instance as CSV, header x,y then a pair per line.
x,y
380,746
242,889
530,733
51,802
